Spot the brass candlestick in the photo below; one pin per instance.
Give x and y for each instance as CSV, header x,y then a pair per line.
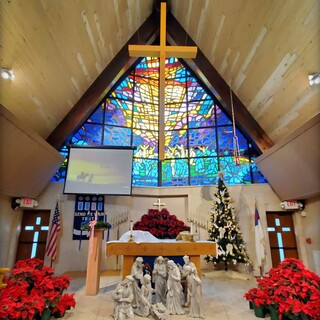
x,y
131,238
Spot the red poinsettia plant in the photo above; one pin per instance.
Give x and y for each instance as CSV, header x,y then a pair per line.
x,y
161,224
291,289
32,290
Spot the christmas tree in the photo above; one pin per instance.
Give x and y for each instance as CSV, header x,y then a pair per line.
x,y
225,231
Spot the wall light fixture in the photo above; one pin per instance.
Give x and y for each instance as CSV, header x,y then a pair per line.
x,y
314,78
7,74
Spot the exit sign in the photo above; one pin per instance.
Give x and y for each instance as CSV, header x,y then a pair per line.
x,y
290,205
26,203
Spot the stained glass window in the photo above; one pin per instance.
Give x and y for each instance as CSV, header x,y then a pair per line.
x,y
198,133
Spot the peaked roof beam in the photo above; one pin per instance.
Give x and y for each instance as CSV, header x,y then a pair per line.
x,y
215,83
176,35
146,34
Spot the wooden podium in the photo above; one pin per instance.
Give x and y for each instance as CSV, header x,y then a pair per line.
x,y
94,260
130,250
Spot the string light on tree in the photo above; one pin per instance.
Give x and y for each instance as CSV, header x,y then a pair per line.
x,y
225,231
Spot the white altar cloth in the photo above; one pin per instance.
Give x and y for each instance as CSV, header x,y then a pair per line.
x,y
139,236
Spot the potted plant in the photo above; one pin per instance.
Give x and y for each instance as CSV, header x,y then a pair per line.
x,y
34,292
161,224
290,291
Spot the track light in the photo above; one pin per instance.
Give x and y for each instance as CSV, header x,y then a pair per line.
x,y
314,78
7,74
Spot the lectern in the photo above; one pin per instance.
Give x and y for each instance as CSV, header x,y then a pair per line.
x,y
94,261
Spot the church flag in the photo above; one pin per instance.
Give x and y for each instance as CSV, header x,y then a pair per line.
x,y
259,238
51,249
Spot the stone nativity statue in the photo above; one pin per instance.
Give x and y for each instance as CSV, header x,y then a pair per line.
x,y
195,294
145,298
123,297
188,263
187,288
159,277
137,274
174,289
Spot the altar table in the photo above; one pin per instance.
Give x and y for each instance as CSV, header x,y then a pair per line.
x,y
131,250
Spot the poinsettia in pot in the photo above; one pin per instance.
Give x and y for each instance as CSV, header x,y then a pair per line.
x,y
290,291
34,292
161,224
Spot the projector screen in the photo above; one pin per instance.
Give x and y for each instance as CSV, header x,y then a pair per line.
x,y
99,170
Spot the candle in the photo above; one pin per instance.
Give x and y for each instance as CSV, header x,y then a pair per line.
x,y
131,225
191,228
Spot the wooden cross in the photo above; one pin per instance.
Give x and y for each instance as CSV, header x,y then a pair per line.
x,y
159,204
162,51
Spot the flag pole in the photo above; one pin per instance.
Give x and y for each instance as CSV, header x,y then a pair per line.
x,y
255,208
259,238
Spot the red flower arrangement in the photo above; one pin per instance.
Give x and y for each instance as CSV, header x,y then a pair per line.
x,y
32,291
161,224
290,289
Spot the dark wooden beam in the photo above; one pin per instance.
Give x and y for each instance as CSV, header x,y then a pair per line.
x,y
146,34
202,67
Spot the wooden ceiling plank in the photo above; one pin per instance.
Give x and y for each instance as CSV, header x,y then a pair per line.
x,y
273,82
92,41
207,39
293,81
282,37
202,21
305,99
24,31
35,108
297,86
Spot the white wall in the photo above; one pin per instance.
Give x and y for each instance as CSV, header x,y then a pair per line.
x,y
10,221
307,225
182,201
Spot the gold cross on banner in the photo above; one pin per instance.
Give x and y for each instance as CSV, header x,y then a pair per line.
x,y
162,51
159,204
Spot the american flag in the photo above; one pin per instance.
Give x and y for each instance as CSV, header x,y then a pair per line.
x,y
51,249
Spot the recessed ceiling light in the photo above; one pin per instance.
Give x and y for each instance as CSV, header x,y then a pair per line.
x,y
314,78
7,74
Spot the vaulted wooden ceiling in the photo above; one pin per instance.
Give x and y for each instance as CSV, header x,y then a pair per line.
x,y
66,54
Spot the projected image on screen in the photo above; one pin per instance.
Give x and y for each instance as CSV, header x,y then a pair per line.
x,y
99,171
